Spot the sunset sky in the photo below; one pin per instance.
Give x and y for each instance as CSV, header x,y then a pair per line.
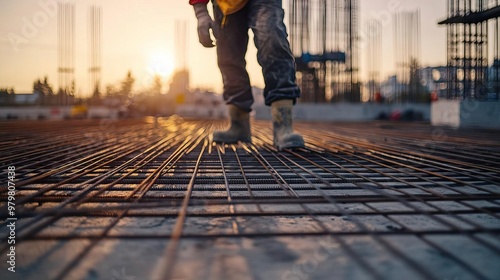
x,y
139,35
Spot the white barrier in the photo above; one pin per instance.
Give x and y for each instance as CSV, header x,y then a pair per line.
x,y
54,113
35,113
346,111
466,113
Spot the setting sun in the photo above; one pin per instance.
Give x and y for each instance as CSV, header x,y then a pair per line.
x,y
161,64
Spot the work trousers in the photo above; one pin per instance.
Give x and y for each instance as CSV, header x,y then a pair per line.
x,y
265,19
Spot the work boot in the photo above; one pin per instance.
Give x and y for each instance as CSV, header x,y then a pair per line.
x,y
239,129
284,138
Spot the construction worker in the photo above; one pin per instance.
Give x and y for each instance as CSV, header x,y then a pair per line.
x,y
230,27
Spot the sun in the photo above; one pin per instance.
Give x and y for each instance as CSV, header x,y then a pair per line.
x,y
161,64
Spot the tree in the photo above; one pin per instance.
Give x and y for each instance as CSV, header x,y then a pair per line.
x,y
416,91
7,96
157,85
110,90
97,93
127,85
96,96
72,90
38,86
48,88
44,89
38,89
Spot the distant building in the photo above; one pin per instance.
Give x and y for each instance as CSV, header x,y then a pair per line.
x,y
180,83
390,87
371,90
202,104
432,80
27,98
435,80
494,80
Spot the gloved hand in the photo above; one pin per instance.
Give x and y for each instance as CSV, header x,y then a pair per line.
x,y
205,22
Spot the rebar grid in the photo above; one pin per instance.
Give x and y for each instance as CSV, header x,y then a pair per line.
x,y
380,182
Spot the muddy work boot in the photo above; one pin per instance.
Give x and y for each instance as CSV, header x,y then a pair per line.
x,y
239,129
284,138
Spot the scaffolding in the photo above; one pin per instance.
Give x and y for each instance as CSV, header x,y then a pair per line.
x,y
323,38
469,76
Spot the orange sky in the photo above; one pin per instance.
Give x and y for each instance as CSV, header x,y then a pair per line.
x,y
139,33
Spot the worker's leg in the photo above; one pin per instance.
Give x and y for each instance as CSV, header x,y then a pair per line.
x,y
231,42
278,67
273,50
